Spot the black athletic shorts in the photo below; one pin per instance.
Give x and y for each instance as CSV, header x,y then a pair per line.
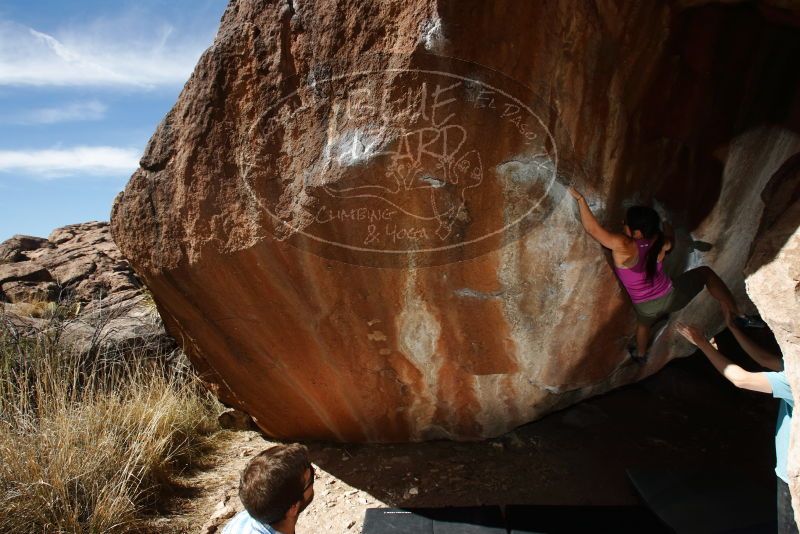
x,y
684,288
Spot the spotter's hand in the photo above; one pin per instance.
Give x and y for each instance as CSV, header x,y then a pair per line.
x,y
691,333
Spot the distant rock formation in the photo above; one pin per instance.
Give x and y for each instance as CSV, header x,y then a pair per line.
x,y
355,216
77,266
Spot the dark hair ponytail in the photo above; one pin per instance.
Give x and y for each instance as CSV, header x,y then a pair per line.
x,y
652,256
648,222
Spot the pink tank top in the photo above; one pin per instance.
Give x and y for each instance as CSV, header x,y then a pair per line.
x,y
635,278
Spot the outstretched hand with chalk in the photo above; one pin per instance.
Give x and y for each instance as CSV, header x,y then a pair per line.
x,y
575,193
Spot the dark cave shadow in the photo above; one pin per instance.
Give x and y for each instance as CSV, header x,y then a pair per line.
x,y
726,70
726,86
781,193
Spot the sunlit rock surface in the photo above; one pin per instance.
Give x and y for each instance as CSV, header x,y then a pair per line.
x,y
355,216
773,282
75,285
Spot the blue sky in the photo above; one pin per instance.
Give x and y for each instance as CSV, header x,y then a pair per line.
x,y
83,85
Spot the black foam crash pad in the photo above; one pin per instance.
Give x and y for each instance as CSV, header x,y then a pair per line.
x,y
700,500
575,519
516,519
450,520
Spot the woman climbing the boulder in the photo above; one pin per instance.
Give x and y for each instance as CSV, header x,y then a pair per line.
x,y
638,254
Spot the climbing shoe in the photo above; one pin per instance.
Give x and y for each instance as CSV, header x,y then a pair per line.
x,y
749,321
641,359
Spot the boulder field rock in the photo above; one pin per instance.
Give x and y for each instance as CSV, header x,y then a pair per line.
x,y
355,217
773,283
77,267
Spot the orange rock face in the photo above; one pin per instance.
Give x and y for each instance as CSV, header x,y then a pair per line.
x,y
355,217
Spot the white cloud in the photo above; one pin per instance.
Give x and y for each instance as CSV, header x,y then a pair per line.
x,y
91,110
123,52
75,161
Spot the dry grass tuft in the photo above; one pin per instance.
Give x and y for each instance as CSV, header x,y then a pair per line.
x,y
39,308
89,441
148,299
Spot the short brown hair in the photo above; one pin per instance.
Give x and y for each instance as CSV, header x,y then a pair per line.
x,y
273,481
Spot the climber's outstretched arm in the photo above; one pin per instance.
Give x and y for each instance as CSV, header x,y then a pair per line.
x,y
612,240
735,374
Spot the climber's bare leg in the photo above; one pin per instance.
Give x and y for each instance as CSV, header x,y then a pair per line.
x,y
642,338
719,291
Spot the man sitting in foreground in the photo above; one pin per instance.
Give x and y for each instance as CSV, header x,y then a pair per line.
x,y
274,488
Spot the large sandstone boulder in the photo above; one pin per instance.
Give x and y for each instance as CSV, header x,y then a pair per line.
x,y
773,282
355,216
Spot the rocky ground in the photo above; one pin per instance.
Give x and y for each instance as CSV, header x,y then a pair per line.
x,y
686,415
